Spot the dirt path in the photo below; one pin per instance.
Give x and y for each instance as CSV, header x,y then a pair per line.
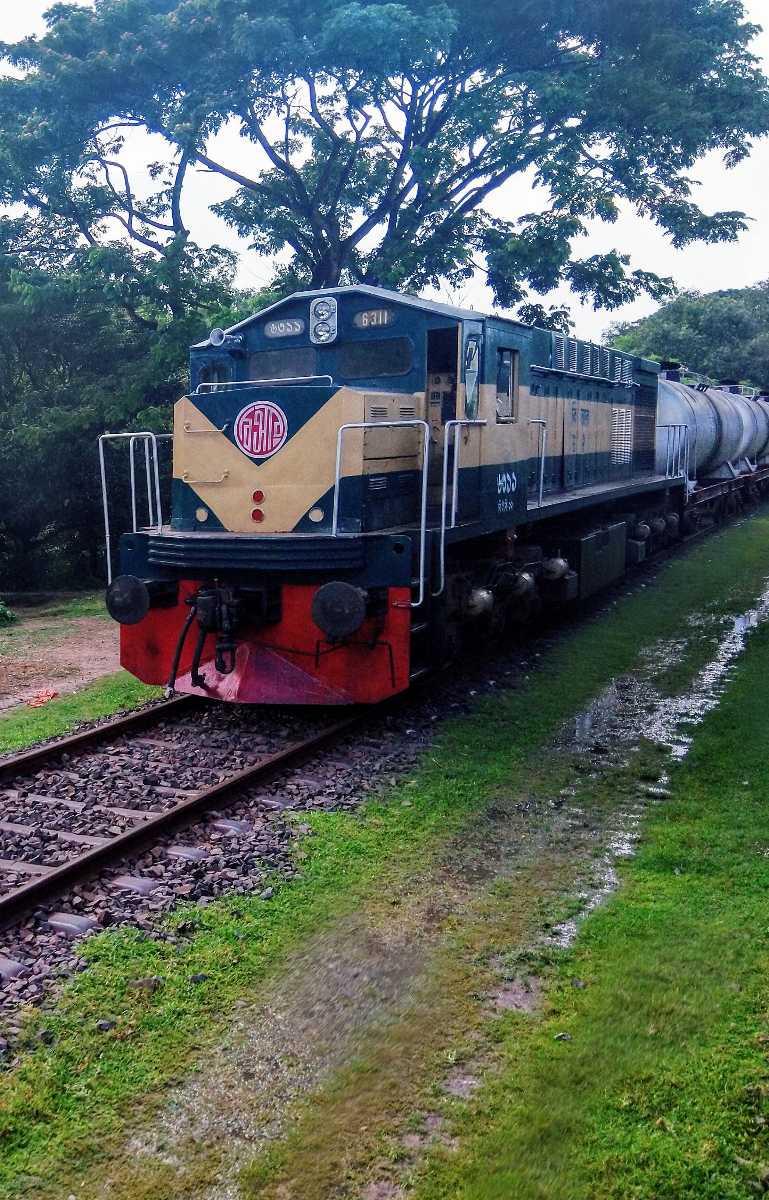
x,y
56,649
351,1063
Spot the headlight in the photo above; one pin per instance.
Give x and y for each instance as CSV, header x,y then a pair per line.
x,y
323,320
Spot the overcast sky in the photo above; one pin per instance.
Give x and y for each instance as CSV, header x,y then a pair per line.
x,y
705,268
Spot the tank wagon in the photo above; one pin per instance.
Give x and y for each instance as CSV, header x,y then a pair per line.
x,y
359,476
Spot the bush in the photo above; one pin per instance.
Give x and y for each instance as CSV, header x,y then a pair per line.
x,y
7,615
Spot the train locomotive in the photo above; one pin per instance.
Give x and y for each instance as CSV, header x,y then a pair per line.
x,y
362,477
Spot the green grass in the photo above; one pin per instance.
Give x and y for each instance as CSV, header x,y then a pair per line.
x,y
89,604
69,1102
23,726
44,623
662,1093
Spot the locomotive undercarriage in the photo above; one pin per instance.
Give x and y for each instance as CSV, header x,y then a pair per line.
x,y
494,584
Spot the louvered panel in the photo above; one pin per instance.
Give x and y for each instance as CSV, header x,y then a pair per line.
x,y
558,352
621,443
644,430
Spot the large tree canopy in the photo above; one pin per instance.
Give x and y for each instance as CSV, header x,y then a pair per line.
x,y
722,334
369,134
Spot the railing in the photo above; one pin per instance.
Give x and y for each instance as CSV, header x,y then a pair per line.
x,y
451,427
152,472
676,451
415,424
542,450
313,380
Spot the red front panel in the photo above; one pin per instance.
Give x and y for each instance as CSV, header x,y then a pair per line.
x,y
286,663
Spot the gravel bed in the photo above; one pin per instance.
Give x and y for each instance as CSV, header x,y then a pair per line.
x,y
231,862
38,846
91,822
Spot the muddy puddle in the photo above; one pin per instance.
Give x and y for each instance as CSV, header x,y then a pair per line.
x,y
368,971
632,708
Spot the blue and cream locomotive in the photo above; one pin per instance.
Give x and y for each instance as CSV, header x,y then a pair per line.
x,y
359,475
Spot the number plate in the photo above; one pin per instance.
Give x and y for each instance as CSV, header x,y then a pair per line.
x,y
374,318
288,327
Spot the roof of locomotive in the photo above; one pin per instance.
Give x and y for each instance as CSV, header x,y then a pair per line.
x,y
431,306
377,293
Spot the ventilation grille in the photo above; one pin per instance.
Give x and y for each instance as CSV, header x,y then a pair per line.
x,y
585,358
378,412
377,483
621,445
407,412
645,430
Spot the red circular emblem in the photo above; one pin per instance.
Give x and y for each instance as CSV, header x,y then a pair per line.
x,y
261,429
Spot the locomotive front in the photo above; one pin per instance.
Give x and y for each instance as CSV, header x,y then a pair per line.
x,y
271,583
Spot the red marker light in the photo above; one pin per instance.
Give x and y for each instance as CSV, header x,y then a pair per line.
x,y
257,497
257,515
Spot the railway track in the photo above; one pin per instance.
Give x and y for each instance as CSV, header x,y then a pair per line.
x,y
71,808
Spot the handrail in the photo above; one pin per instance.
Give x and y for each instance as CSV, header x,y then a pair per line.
x,y
204,482
242,383
676,450
423,425
153,503
542,450
187,428
451,426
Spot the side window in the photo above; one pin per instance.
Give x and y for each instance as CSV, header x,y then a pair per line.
x,y
218,371
472,376
507,385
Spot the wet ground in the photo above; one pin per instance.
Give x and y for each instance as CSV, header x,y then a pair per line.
x,y
54,648
361,985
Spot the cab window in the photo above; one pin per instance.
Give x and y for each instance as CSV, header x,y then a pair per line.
x,y
290,362
507,385
375,358
216,372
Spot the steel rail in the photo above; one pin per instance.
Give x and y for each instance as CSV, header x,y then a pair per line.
x,y
18,902
38,755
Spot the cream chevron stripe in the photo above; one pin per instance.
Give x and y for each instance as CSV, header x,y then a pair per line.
x,y
292,480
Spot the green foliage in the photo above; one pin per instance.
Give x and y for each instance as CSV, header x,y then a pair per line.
x,y
371,133
724,335
7,615
87,346
112,694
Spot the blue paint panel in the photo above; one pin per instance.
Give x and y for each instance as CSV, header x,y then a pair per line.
x,y
184,503
299,403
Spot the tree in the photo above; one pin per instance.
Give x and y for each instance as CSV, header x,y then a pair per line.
x,y
74,362
724,335
372,132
